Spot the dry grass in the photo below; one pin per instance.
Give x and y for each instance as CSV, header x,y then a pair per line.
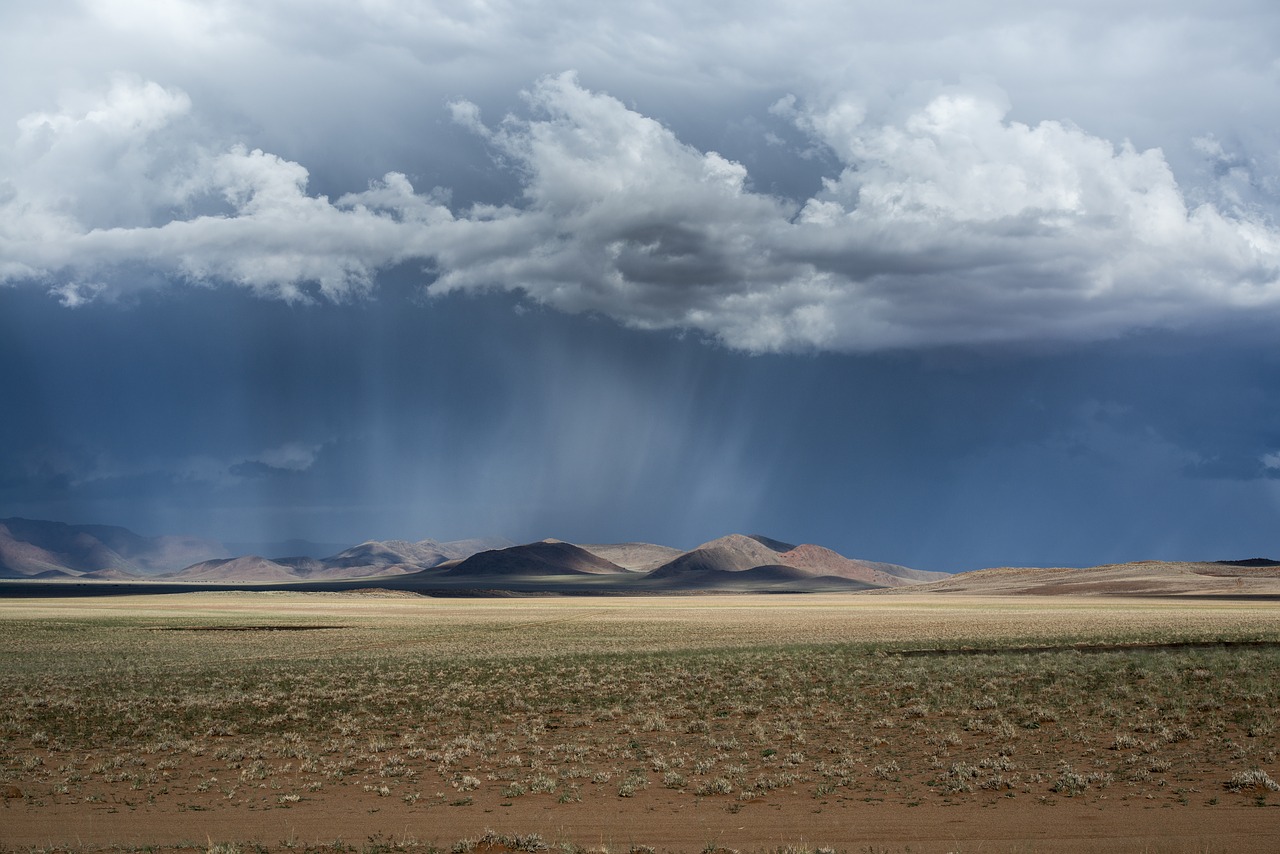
x,y
469,704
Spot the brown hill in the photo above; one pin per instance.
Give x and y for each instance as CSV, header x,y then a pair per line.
x,y
52,550
737,553
375,555
733,553
369,559
423,554
824,561
1140,578
248,568
534,559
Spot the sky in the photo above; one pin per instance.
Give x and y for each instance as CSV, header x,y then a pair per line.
x,y
949,285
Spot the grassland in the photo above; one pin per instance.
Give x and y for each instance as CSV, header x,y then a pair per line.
x,y
367,723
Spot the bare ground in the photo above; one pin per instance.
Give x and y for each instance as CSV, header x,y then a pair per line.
x,y
685,724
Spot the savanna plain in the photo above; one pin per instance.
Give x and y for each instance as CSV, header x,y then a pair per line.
x,y
243,722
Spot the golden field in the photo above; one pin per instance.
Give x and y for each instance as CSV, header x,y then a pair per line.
x,y
368,722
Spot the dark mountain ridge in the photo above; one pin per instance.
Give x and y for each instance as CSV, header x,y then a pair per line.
x,y
545,558
57,552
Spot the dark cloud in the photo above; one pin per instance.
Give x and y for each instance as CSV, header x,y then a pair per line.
x,y
969,194
1008,276
222,415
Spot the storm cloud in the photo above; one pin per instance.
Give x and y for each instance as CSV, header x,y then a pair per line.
x,y
945,284
908,205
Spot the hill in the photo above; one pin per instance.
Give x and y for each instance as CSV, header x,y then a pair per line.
x,y
733,553
826,562
1140,578
53,551
545,558
738,553
250,568
375,558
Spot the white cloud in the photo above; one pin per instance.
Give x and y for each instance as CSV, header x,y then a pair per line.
x,y
955,225
948,224
1271,461
94,192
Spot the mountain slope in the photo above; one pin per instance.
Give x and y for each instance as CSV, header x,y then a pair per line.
x,y
249,568
1140,578
733,553
423,554
366,560
534,559
738,553
52,550
826,562
383,553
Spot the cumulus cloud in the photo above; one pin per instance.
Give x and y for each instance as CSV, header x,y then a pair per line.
x,y
98,190
955,225
943,222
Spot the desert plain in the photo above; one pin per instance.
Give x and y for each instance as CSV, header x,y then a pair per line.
x,y
378,721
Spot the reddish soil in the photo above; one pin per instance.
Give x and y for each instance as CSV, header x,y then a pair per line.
x,y
662,820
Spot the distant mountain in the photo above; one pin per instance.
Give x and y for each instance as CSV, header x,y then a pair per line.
x,y
423,554
534,559
370,559
54,551
733,553
249,568
738,553
916,576
1138,578
372,552
639,557
377,554
826,562
29,547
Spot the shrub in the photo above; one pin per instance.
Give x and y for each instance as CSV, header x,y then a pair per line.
x,y
1255,778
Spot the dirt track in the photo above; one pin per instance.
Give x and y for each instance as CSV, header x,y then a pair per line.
x,y
669,823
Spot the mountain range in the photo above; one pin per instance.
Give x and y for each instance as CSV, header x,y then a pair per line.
x,y
40,558
34,549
